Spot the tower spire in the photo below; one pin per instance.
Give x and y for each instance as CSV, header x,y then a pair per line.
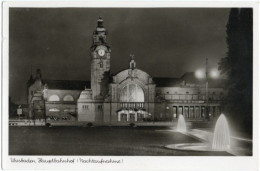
x,y
132,56
100,22
99,34
132,62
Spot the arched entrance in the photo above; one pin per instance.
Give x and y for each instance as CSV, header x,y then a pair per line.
x,y
127,116
132,101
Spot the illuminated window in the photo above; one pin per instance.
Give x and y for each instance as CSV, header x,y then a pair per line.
x,y
132,93
68,98
54,98
54,110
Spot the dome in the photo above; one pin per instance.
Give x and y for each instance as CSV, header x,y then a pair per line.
x,y
85,96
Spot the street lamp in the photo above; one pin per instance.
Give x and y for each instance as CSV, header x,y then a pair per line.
x,y
207,93
205,74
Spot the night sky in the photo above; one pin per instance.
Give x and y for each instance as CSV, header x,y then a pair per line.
x,y
167,42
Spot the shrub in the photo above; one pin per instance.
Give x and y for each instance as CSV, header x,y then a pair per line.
x,y
89,124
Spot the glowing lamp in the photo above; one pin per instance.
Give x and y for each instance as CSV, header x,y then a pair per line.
x,y
200,73
214,73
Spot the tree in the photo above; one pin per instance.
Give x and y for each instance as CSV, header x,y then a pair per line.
x,y
237,65
12,108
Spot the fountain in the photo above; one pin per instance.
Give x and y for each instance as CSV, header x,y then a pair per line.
x,y
181,125
221,139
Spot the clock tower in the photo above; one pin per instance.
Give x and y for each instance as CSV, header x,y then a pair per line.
x,y
100,62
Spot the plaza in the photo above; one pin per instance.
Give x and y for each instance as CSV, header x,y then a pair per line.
x,y
126,141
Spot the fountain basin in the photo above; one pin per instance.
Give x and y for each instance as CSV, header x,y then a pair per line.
x,y
192,147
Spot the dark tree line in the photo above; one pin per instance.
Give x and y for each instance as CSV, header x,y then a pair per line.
x,y
238,66
12,108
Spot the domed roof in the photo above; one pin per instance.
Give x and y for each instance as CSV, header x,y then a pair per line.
x,y
85,96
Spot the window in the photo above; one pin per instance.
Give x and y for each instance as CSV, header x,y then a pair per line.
x,y
85,107
54,97
68,98
132,65
187,92
54,110
132,93
100,107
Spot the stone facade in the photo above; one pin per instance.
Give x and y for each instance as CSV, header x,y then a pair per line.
x,y
100,62
131,95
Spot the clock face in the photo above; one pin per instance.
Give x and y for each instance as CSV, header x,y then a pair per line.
x,y
101,52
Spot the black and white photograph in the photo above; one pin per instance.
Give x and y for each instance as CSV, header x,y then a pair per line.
x,y
129,82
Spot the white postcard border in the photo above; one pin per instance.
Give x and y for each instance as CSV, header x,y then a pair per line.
x,y
132,162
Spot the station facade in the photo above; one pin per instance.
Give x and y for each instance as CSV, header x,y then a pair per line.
x,y
131,95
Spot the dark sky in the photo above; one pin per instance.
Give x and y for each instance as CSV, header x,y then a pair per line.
x,y
167,42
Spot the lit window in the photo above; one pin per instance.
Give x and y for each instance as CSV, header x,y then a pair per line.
x,y
54,110
54,98
132,93
68,98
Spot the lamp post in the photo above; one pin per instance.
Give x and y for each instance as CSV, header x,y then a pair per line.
x,y
200,74
207,93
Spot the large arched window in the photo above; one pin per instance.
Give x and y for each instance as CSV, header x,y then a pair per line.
x,y
132,93
68,98
54,97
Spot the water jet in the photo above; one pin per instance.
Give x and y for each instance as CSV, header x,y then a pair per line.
x,y
181,125
221,137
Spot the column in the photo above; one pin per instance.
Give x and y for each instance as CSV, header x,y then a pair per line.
x,y
196,111
194,114
210,111
177,111
127,116
188,110
191,112
200,112
119,116
135,116
203,110
180,108
174,112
